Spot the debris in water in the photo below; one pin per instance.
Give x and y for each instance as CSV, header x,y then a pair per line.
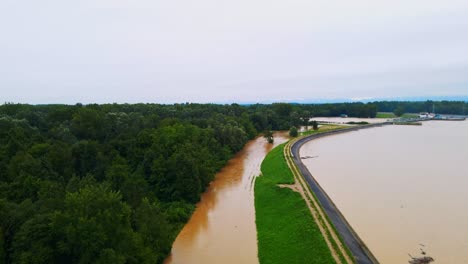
x,y
309,157
421,260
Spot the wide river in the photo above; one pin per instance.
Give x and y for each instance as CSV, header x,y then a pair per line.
x,y
222,229
401,188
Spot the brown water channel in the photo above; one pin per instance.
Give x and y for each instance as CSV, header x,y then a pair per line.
x,y
401,188
222,228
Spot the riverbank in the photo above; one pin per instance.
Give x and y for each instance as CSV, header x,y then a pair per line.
x,y
222,228
286,231
293,228
351,239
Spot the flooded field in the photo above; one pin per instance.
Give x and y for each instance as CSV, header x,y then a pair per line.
x,y
222,228
401,188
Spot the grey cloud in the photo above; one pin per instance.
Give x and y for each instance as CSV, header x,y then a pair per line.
x,y
220,51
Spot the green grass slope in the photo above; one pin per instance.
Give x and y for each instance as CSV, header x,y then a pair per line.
x,y
286,230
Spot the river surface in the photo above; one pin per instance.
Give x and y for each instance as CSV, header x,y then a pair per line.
x,y
222,229
401,188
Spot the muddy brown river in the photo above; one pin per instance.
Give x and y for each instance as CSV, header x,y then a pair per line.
x,y
401,188
222,228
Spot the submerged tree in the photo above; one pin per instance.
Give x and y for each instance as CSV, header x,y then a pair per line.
x,y
269,136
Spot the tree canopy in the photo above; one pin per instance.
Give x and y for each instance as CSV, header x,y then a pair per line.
x,y
115,183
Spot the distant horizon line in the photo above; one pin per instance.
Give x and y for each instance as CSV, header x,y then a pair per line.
x,y
290,101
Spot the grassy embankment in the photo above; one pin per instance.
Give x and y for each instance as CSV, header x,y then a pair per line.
x,y
409,115
392,115
286,230
323,128
385,115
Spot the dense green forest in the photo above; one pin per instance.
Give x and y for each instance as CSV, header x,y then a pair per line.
x,y
115,183
112,183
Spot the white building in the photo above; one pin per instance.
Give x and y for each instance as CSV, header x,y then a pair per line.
x,y
426,115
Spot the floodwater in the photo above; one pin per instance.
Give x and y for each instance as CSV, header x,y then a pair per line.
x,y
401,188
222,229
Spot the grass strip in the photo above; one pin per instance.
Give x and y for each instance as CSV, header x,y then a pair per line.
x,y
385,115
322,129
324,219
286,231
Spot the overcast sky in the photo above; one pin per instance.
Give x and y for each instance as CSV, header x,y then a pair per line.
x,y
231,51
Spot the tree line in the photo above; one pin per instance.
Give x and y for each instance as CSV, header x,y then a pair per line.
x,y
440,107
115,183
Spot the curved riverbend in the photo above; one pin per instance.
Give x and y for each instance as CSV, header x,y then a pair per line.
x,y
350,238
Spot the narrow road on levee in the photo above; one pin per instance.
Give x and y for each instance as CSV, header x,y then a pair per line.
x,y
359,250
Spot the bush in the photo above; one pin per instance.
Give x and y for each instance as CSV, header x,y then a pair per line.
x,y
293,131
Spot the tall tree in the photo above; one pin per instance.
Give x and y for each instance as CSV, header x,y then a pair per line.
x,y
315,125
399,111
